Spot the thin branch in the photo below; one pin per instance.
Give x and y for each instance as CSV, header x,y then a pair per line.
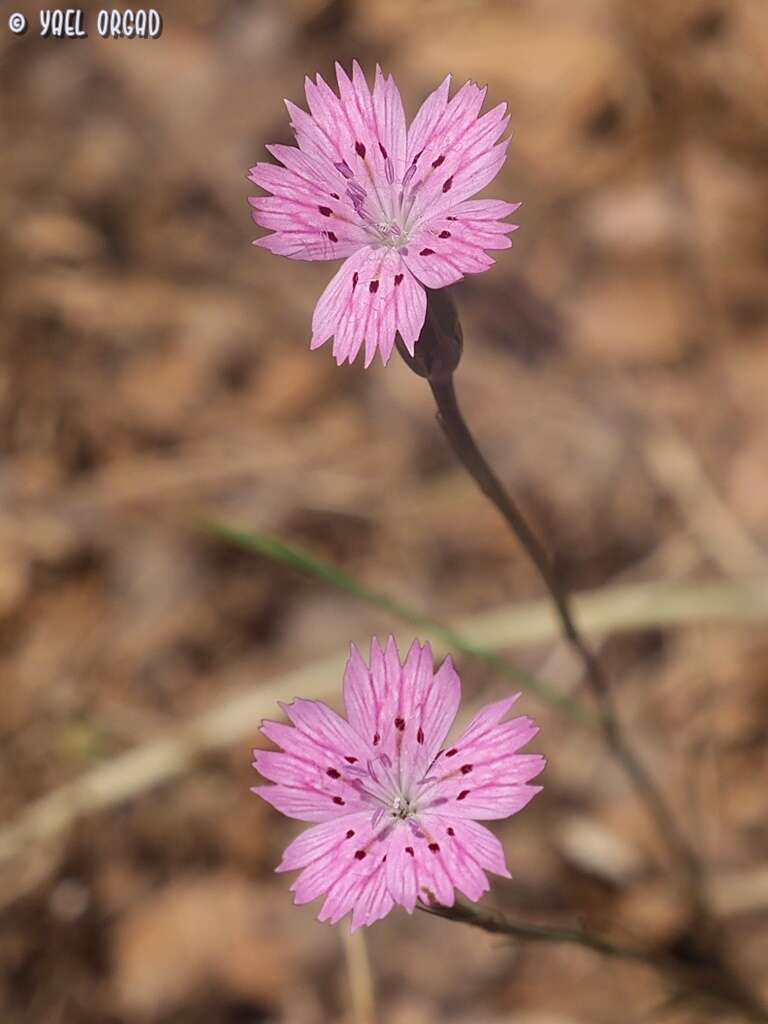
x,y
703,973
499,924
463,444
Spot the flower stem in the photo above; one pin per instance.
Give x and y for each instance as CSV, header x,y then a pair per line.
x,y
437,369
361,997
703,975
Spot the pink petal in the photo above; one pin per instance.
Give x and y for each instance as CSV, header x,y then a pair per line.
x,y
454,151
372,296
480,775
374,902
346,864
362,888
312,776
308,212
454,244
326,841
402,871
466,851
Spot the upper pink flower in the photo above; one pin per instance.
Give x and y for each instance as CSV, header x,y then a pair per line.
x,y
393,201
397,807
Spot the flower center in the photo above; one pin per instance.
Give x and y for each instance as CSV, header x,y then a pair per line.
x,y
402,807
391,234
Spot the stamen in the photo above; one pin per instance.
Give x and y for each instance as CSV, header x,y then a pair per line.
x,y
343,168
409,174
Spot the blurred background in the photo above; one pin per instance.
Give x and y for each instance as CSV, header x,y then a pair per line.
x,y
155,368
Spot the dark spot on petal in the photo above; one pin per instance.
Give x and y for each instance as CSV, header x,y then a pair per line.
x,y
409,849
360,149
334,195
383,151
325,210
384,859
434,847
373,287
360,854
398,279
451,218
420,736
332,236
431,898
349,834
447,184
462,794
451,752
440,160
444,234
339,800
417,157
355,279
349,759
376,739
400,724
427,252
333,773
466,769
450,831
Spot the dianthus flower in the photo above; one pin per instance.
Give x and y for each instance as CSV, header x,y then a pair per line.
x,y
392,201
397,809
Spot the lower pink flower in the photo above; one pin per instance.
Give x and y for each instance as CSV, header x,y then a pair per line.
x,y
397,809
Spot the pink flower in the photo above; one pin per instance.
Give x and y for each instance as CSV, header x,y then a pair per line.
x,y
397,809
393,202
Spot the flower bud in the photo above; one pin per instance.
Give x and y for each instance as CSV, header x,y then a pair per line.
x,y
438,349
